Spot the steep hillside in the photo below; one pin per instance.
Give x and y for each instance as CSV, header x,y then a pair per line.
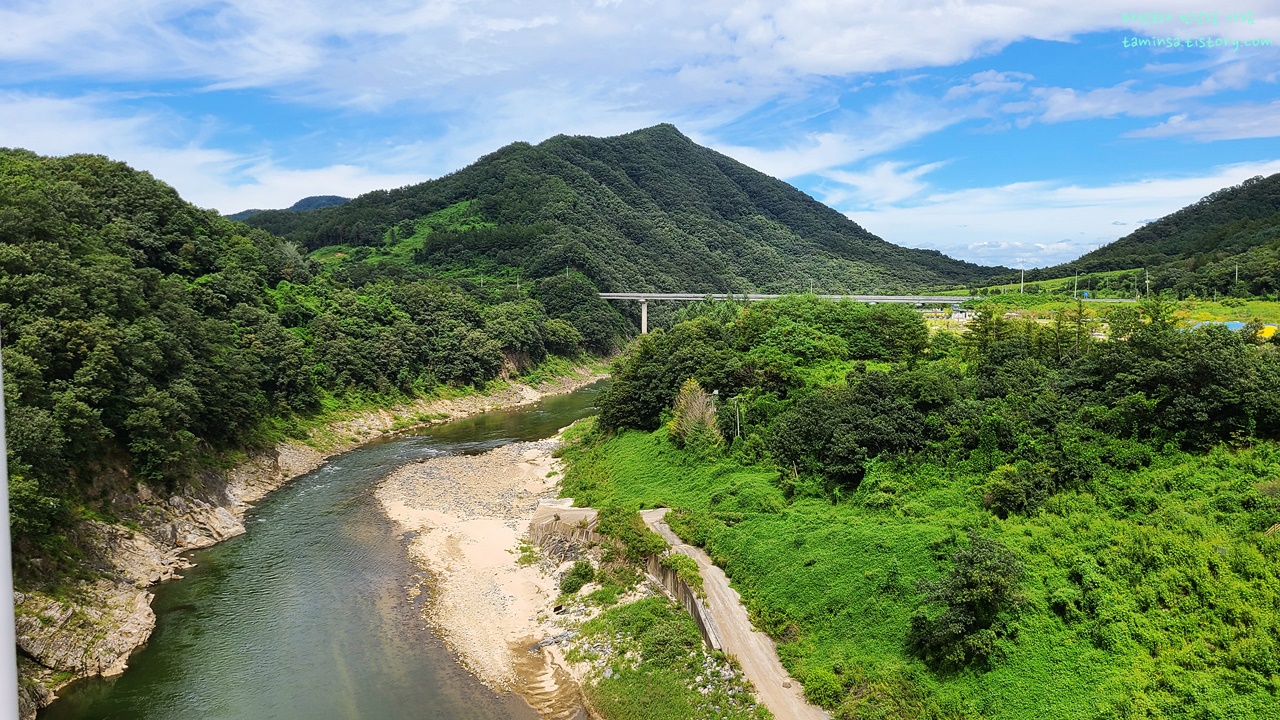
x,y
648,210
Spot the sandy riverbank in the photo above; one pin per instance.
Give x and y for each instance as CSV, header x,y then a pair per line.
x,y
470,514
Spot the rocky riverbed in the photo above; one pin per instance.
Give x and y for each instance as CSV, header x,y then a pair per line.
x,y
464,517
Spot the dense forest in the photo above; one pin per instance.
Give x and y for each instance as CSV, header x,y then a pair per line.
x,y
649,210
1020,522
143,333
1228,243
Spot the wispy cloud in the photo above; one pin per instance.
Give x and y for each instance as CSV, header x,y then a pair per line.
x,y
210,177
884,184
1231,122
385,51
1042,222
856,135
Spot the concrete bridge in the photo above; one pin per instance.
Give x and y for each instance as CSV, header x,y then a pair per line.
x,y
645,297
918,300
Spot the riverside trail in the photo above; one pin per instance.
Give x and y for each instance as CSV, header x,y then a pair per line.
x,y
754,650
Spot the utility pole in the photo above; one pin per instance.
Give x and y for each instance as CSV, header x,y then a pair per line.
x,y
1148,274
8,631
1022,283
1076,289
737,425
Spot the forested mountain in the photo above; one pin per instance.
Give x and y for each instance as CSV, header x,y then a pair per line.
x,y
649,210
143,333
1198,249
313,202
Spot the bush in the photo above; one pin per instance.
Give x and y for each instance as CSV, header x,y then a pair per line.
x,y
627,526
1015,489
562,337
580,574
822,687
981,586
693,421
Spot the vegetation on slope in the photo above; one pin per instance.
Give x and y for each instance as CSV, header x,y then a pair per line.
x,y
658,669
650,210
1024,523
144,334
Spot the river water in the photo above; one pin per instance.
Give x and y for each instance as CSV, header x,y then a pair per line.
x,y
306,615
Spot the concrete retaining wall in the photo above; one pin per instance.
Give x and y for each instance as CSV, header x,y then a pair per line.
x,y
661,575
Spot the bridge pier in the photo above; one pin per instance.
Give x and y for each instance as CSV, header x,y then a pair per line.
x,y
644,317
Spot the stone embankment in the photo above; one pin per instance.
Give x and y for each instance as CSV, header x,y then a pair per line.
x,y
717,610
92,628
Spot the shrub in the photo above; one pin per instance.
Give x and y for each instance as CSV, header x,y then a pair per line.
x,y
627,527
822,687
687,568
981,586
693,417
1015,489
580,574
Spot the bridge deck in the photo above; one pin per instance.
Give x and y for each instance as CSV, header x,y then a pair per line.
x,y
921,299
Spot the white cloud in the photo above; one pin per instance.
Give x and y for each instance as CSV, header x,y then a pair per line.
x,y
989,81
206,176
884,184
445,53
1058,104
1232,122
1042,223
878,129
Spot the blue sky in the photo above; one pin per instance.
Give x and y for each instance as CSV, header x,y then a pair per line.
x,y
997,132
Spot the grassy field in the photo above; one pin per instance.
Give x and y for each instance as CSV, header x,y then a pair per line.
x,y
1045,306
1144,596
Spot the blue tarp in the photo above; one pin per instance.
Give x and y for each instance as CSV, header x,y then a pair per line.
x,y
1233,326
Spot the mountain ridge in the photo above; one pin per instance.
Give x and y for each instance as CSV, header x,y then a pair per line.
x,y
311,202
646,210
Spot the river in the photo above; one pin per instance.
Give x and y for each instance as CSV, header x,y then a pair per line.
x,y
306,616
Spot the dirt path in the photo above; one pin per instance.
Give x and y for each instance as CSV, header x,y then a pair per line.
x,y
753,649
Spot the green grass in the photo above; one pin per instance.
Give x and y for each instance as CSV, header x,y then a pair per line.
x,y
1054,285
1188,312
555,367
1150,593
656,667
317,429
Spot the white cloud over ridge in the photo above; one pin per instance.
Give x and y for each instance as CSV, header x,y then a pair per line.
x,y
1043,223
488,72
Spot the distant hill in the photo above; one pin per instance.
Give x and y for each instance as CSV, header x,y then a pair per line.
x,y
1227,222
649,210
315,202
